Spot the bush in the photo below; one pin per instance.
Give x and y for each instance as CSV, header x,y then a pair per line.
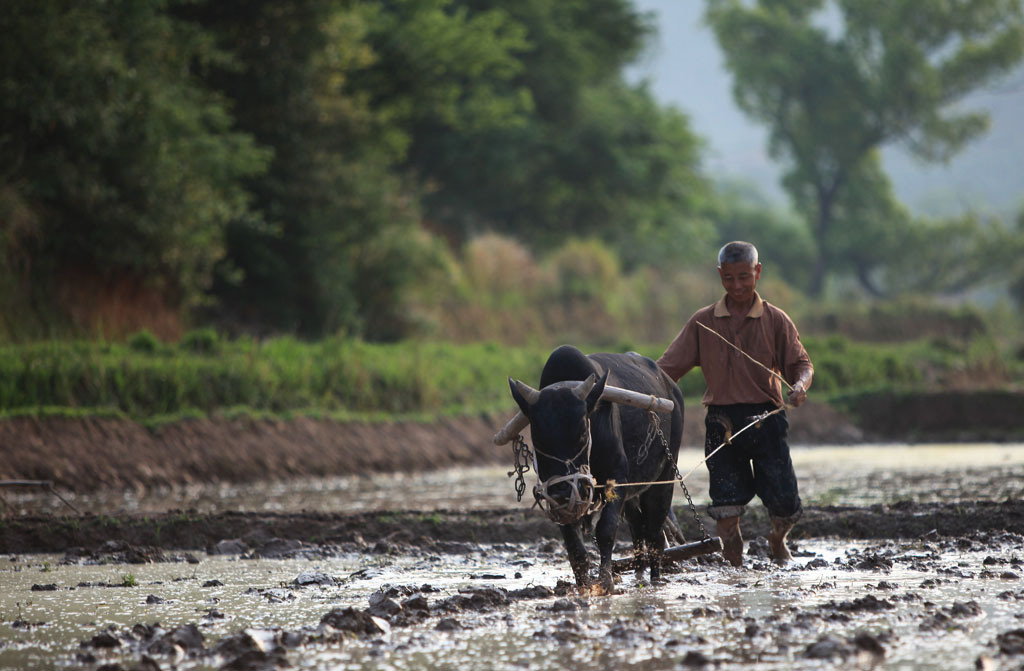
x,y
202,341
143,341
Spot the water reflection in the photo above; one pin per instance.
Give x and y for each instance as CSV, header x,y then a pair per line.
x,y
756,617
860,475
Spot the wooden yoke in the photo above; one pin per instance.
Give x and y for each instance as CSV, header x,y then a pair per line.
x,y
516,425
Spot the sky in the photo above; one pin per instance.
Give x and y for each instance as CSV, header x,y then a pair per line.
x,y
685,68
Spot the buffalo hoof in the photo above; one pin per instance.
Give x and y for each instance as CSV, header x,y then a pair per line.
x,y
606,582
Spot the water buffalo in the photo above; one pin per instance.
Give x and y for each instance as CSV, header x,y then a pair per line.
x,y
570,422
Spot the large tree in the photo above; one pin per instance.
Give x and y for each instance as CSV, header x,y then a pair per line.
x,y
116,165
591,156
835,81
340,90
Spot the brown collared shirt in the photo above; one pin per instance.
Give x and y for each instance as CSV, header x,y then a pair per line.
x,y
766,333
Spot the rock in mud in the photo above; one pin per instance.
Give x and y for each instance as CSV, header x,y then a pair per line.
x,y
279,548
565,631
257,650
532,592
187,637
314,578
416,603
383,606
115,552
568,605
869,644
448,624
869,603
828,647
25,626
482,599
258,660
356,621
622,630
1011,642
758,549
104,639
965,609
985,663
695,659
230,546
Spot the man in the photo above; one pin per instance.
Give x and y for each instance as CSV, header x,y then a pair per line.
x,y
738,390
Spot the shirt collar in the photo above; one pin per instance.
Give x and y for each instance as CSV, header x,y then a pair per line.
x,y
756,310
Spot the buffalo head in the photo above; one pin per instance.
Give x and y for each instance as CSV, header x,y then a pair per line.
x,y
559,418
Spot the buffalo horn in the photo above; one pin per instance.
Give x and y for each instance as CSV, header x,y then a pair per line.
x,y
583,388
527,392
613,394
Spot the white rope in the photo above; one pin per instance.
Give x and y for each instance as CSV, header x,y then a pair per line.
x,y
757,420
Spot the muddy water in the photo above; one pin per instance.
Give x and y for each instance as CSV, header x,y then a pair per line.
x,y
925,604
860,475
933,608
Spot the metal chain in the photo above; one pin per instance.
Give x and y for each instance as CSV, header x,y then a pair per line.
x,y
521,458
653,428
693,509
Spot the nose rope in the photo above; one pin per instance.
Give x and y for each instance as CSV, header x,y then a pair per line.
x,y
582,486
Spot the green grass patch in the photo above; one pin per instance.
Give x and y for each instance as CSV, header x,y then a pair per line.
x,y
351,380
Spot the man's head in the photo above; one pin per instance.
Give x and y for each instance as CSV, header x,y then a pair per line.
x,y
739,269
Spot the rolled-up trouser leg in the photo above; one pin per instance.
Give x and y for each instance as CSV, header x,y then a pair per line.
x,y
774,478
757,462
730,478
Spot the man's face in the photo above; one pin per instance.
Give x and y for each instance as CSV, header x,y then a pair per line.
x,y
740,280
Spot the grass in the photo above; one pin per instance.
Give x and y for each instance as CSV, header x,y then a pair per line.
x,y
343,379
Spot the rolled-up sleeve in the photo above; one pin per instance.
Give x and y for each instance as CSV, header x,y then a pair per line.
x,y
683,353
796,363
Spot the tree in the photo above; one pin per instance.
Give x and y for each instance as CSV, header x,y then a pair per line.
x,y
835,81
783,242
341,91
117,164
589,156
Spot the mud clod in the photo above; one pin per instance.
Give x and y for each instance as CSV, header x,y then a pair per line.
x,y
695,659
357,621
448,624
1011,642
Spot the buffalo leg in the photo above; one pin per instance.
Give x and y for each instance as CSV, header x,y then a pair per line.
x,y
655,503
578,560
606,529
634,516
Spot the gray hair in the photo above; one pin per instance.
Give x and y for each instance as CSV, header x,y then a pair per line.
x,y
737,252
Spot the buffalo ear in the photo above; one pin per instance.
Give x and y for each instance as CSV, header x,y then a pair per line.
x,y
524,394
595,394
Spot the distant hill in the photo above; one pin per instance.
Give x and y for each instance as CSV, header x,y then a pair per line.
x,y
685,68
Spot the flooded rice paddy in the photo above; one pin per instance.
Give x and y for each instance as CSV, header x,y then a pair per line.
x,y
934,602
862,475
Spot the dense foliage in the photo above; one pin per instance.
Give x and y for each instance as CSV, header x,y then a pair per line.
x,y
460,169
300,166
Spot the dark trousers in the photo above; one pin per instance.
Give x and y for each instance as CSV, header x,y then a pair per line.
x,y
756,462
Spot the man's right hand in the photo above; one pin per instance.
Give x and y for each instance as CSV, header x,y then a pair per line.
x,y
797,395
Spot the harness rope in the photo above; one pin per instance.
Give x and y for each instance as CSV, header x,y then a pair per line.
x,y
726,341
578,505
727,441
